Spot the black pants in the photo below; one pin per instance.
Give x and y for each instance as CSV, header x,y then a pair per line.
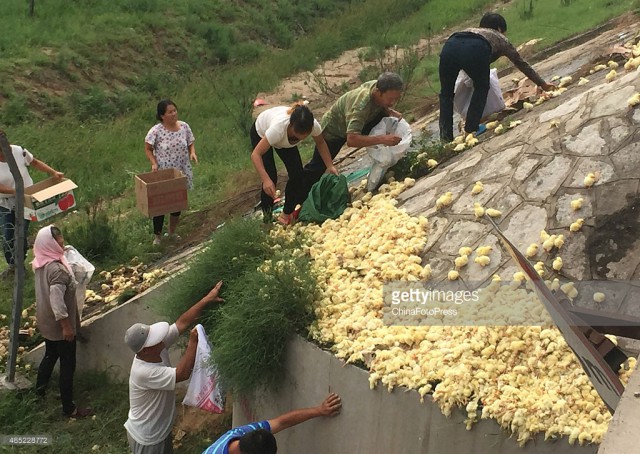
x,y
66,352
294,191
158,222
315,168
472,54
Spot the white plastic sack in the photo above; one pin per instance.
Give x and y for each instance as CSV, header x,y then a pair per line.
x,y
464,90
204,388
82,272
385,156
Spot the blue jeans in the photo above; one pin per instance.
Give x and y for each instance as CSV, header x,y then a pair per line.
x,y
7,224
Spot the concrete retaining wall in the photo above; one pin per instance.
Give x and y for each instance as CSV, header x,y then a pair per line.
x,y
374,421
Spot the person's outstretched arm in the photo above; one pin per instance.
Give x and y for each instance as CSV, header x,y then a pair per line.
x,y
329,407
190,316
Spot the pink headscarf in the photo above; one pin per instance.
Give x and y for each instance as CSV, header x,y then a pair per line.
x,y
46,250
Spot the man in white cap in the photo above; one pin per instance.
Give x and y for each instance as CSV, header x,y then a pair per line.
x,y
152,381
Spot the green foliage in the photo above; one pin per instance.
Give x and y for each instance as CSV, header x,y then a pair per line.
x,y
414,163
268,290
16,111
264,309
21,412
94,235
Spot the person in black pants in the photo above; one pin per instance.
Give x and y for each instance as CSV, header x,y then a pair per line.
x,y
57,316
283,128
473,50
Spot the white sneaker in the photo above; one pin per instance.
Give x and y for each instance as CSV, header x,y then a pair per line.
x,y
156,241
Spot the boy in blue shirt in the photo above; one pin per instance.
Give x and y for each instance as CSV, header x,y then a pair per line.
x,y
257,437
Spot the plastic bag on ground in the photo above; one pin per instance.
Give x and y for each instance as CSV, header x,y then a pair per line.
x,y
82,272
464,90
327,199
204,389
385,156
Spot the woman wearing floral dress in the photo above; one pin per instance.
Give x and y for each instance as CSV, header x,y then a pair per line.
x,y
170,144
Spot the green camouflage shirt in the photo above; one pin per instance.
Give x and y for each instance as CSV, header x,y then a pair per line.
x,y
350,113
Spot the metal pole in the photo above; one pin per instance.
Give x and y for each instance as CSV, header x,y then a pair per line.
x,y
18,288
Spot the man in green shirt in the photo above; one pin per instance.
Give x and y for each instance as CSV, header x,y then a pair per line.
x,y
351,118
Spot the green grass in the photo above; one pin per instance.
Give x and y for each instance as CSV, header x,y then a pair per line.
x,y
23,413
269,288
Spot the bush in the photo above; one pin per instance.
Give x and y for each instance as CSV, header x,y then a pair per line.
x,y
269,288
94,236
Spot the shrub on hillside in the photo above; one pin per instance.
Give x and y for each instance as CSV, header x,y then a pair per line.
x,y
268,288
94,235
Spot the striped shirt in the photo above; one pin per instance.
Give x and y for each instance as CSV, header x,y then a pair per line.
x,y
221,445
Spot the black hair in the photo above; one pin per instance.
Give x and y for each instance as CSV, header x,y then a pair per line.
x,y
389,81
301,118
494,21
55,232
162,108
259,441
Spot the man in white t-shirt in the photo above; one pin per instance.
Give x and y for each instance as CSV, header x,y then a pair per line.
x,y
152,381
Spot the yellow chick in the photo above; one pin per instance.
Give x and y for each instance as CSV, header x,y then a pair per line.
x,y
453,275
612,64
544,236
409,182
598,68
554,124
565,81
583,81
634,100
477,188
493,213
590,179
515,123
527,105
577,204
483,250
554,78
540,100
576,226
478,210
458,140
519,276
598,297
499,129
444,200
472,142
465,250
461,261
492,124
611,75
459,147
432,163
559,241
532,250
632,64
482,260
557,263
549,243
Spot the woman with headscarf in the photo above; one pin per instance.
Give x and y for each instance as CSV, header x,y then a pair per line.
x,y
57,316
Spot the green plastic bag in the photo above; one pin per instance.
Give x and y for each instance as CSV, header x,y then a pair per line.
x,y
327,199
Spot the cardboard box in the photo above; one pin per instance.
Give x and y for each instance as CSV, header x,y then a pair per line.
x,y
48,198
161,192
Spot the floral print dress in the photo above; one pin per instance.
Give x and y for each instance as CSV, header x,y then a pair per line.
x,y
171,148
